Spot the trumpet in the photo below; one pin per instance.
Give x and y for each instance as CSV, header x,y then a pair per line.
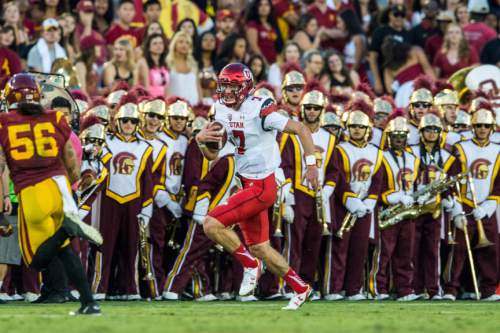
x,y
320,212
278,212
144,251
483,241
171,241
350,219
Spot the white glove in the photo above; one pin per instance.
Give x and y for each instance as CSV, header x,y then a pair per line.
x,y
162,199
489,207
288,195
356,207
289,214
456,209
448,204
144,219
394,198
200,211
175,208
370,204
421,200
479,213
406,200
460,221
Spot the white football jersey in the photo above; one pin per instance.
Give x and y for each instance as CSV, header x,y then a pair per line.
x,y
257,152
176,153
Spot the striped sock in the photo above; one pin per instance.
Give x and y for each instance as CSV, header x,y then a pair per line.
x,y
295,282
244,257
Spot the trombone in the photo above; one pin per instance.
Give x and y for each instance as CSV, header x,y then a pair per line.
x,y
320,212
144,249
278,212
482,239
350,219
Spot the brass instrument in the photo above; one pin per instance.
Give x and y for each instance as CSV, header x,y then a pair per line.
x,y
144,250
320,212
396,213
278,212
65,68
457,80
469,251
176,222
349,219
482,239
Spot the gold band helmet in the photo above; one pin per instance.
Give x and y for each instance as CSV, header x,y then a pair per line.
x,y
463,119
130,111
313,98
430,120
484,117
292,78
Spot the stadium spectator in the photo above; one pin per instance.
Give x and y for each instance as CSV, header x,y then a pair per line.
x,y
173,12
433,43
104,14
121,66
123,25
455,53
308,35
394,28
233,49
262,33
257,65
151,71
327,18
183,69
428,25
225,24
152,11
54,8
47,48
313,65
287,16
402,64
86,65
477,32
188,26
462,15
67,25
336,76
367,12
290,54
205,54
8,37
9,60
491,52
356,45
12,17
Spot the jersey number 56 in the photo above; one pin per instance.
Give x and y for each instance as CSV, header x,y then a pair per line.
x,y
24,148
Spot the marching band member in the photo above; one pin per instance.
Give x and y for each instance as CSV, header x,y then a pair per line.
x,y
128,202
446,101
396,242
356,161
480,197
434,160
420,103
292,88
382,107
304,234
462,125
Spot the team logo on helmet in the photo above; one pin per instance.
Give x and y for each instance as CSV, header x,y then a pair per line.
x,y
176,164
479,168
123,163
405,179
362,170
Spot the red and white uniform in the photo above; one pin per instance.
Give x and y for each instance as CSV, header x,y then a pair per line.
x,y
252,129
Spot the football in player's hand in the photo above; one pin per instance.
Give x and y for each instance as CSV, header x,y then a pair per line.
x,y
216,126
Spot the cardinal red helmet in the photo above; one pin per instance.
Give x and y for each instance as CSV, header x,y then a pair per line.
x,y
234,84
22,87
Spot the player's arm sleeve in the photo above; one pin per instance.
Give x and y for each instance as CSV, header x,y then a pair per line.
x,y
270,118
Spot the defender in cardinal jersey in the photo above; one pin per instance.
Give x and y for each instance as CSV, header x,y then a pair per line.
x,y
251,124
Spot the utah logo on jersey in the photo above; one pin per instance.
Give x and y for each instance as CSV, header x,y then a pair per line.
x,y
361,170
123,163
405,179
479,168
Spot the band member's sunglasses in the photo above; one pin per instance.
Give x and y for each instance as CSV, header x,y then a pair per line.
x,y
131,120
155,115
294,88
459,126
432,129
312,107
399,135
100,142
482,126
419,105
357,126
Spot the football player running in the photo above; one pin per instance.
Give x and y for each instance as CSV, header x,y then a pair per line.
x,y
35,145
251,124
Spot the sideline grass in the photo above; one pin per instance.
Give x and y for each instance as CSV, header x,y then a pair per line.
x,y
261,317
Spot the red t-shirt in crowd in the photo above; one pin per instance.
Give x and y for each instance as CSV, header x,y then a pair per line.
x,y
116,31
10,64
478,34
328,19
447,69
433,45
266,40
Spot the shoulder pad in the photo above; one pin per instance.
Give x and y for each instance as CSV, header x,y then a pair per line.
x,y
268,107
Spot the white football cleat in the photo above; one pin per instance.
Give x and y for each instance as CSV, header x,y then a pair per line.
x,y
334,297
408,298
492,298
207,298
170,296
30,297
250,279
382,297
298,299
357,297
449,297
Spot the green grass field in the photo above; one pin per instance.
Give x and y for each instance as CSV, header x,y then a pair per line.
x,y
261,317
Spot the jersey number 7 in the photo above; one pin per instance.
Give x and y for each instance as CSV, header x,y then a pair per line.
x,y
24,148
241,138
